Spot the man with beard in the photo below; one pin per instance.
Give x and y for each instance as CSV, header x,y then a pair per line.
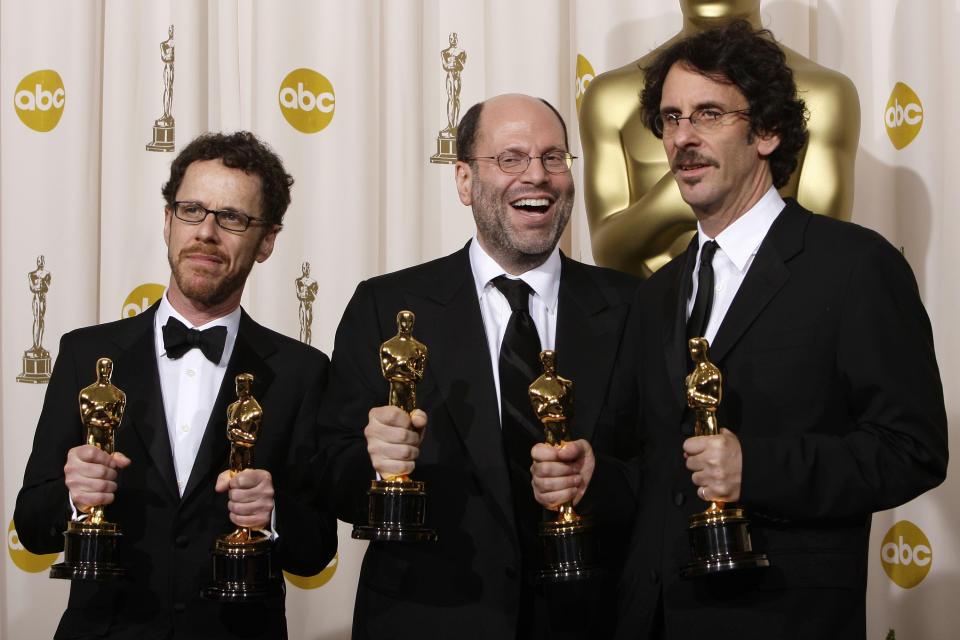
x,y
225,202
832,402
470,438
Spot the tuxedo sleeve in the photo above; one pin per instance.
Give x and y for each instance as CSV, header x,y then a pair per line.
x,y
306,529
342,466
43,506
890,444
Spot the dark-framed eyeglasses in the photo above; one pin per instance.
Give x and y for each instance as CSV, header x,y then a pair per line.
x,y
195,213
706,119
516,162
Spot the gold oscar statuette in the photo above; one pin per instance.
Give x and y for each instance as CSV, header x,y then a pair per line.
x,y
719,536
397,504
570,550
91,542
241,559
37,364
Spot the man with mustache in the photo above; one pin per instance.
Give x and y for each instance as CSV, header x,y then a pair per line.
x,y
471,436
832,402
168,486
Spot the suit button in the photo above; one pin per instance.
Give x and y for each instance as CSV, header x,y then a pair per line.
x,y
679,498
179,607
182,541
654,576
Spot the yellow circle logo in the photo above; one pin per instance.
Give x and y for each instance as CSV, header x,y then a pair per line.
x,y
584,78
141,298
29,562
312,582
903,116
306,100
906,555
39,100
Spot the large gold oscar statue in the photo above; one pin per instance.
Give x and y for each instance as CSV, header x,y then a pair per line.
x,y
638,221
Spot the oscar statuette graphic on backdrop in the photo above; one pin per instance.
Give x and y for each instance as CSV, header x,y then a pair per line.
x,y
36,359
163,127
453,58
307,289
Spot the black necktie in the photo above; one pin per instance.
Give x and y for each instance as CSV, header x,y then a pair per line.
x,y
519,367
178,339
697,324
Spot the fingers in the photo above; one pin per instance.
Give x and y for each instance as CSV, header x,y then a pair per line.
x,y
561,475
393,439
90,475
250,498
716,464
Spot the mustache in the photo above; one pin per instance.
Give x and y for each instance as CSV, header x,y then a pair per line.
x,y
201,249
690,156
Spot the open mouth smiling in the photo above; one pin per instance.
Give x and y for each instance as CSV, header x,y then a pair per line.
x,y
536,206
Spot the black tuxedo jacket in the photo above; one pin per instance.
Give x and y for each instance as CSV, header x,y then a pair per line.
x,y
831,385
468,584
167,539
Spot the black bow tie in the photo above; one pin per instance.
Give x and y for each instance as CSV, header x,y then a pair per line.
x,y
178,339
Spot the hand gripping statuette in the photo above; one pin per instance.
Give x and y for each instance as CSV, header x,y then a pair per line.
x,y
397,504
90,542
719,536
242,569
570,550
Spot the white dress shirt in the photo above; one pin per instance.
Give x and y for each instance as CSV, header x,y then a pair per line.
x,y
189,386
738,245
495,310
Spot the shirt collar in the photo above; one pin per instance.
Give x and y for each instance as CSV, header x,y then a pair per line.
x,y
742,238
544,280
165,311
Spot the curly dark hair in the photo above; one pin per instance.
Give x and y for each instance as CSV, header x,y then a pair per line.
x,y
467,130
750,60
239,150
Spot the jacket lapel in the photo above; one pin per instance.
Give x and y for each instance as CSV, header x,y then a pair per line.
x,y
586,335
459,364
674,318
766,277
249,355
138,366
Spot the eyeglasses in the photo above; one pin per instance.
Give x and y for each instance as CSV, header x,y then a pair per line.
x,y
516,162
667,124
195,213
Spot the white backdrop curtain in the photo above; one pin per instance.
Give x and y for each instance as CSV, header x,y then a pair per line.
x,y
85,193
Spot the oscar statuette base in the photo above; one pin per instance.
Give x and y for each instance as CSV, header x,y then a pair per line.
x,y
395,513
163,136
241,571
570,551
446,148
90,553
720,542
37,366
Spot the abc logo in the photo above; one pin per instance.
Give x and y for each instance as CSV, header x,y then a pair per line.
x,y
903,116
39,100
906,555
584,78
141,298
313,582
306,100
29,562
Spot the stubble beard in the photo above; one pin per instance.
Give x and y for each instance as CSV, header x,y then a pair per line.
x,y
509,246
205,290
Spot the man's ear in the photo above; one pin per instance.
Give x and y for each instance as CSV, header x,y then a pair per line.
x,y
464,175
767,143
266,243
